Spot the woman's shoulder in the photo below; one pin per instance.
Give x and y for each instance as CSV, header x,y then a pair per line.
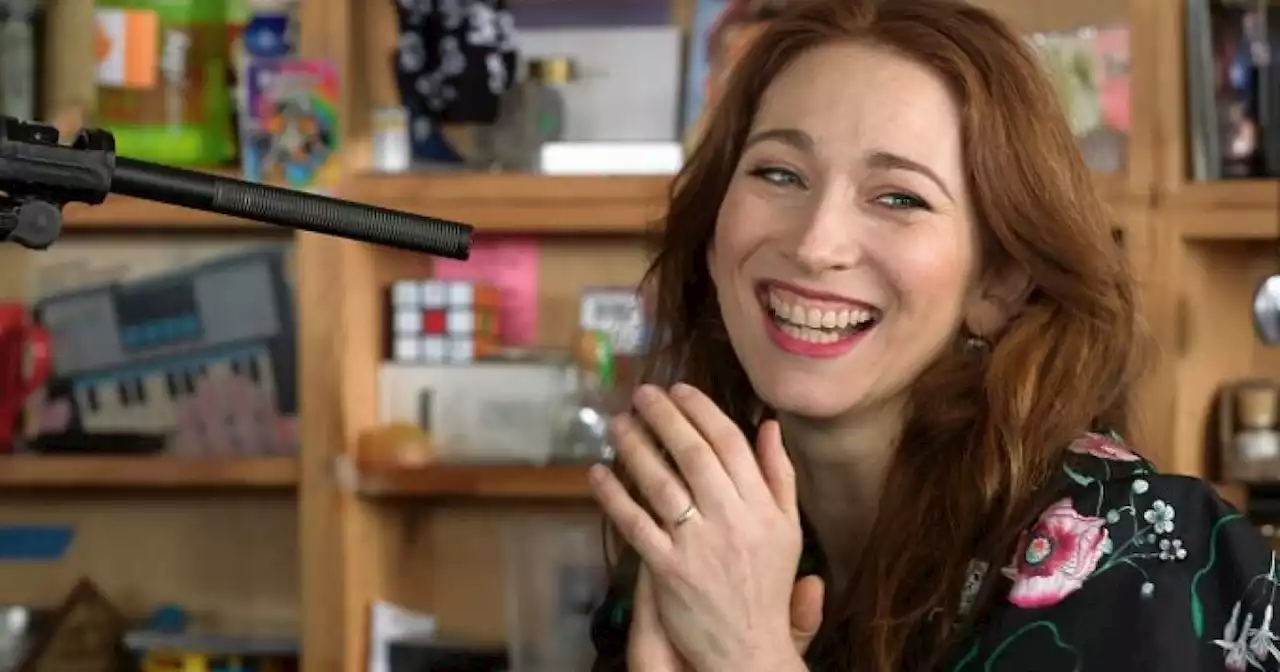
x,y
1128,568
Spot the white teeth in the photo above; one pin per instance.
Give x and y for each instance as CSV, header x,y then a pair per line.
x,y
815,320
796,315
810,335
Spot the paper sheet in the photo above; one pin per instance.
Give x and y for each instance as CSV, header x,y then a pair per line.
x,y
511,265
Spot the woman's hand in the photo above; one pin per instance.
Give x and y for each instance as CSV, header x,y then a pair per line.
x,y
723,556
648,647
650,650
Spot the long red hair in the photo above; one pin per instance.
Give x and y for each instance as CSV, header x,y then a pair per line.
x,y
972,461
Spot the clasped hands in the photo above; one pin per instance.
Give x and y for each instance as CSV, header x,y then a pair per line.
x,y
716,589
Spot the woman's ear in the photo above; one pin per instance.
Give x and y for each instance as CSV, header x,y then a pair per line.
x,y
997,300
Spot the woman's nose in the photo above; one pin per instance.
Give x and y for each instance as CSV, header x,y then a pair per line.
x,y
827,240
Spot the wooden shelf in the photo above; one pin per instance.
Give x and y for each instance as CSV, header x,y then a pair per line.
x,y
147,473
122,213
467,482
522,203
1226,210
492,202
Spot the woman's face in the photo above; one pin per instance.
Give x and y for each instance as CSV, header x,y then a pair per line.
x,y
845,251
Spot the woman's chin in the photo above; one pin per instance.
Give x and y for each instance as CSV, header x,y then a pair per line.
x,y
805,398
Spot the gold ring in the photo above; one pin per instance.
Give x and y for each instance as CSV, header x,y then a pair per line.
x,y
685,516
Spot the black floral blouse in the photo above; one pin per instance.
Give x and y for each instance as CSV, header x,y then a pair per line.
x,y
1128,570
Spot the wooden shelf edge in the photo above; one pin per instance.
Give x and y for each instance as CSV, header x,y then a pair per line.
x,y
147,473
121,213
1223,211
478,483
506,203
1213,195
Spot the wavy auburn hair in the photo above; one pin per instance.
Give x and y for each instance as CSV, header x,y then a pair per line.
x,y
989,431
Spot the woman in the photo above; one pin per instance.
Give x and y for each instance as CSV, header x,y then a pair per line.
x,y
888,257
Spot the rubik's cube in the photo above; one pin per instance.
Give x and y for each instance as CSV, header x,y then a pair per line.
x,y
443,321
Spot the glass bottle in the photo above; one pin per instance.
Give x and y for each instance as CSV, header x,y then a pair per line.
x,y
531,114
21,25
584,434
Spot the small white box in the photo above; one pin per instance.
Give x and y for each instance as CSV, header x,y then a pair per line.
x,y
483,412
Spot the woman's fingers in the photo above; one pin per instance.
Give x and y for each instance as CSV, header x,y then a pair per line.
x,y
775,465
693,453
657,482
731,447
806,611
632,521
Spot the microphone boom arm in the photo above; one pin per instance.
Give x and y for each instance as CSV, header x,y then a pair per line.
x,y
38,176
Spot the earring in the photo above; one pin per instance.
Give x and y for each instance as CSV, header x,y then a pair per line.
x,y
976,344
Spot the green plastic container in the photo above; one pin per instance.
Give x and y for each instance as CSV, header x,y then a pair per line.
x,y
186,117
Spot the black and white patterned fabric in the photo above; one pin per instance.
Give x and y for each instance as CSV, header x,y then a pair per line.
x,y
454,59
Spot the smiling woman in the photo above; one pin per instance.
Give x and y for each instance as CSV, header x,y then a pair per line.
x,y
905,342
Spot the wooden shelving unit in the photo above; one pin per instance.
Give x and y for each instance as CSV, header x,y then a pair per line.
x,y
147,473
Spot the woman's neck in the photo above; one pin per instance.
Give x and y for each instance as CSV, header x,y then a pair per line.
x,y
840,467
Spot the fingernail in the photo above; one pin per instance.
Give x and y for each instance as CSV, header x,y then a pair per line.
x,y
598,473
681,390
646,393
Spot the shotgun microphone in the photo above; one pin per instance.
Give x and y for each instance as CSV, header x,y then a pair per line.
x,y
38,176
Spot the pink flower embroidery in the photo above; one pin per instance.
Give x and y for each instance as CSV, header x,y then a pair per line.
x,y
1102,446
1055,556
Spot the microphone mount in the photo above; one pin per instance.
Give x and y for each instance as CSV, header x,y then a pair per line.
x,y
38,176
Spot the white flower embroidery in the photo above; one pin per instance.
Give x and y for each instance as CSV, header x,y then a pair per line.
x,y
1171,549
1245,645
1262,641
1234,642
1160,515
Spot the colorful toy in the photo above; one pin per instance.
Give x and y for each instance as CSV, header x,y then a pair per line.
x,y
133,357
443,321
290,130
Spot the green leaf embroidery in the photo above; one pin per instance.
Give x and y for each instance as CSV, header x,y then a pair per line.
x,y
1197,608
989,664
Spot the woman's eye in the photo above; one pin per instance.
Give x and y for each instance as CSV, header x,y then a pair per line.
x,y
777,176
901,201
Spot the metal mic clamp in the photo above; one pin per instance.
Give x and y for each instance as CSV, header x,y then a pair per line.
x,y
38,176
